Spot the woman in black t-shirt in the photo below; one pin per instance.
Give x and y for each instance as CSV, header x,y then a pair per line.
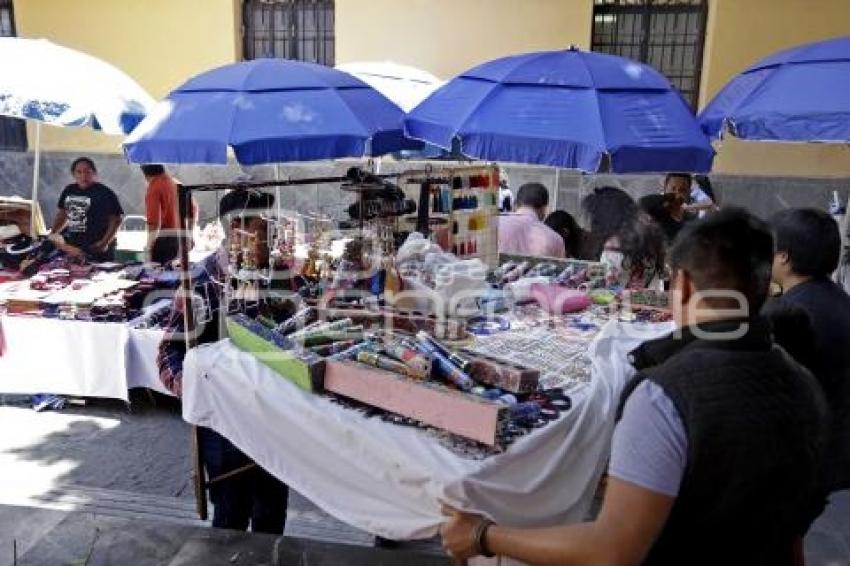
x,y
89,215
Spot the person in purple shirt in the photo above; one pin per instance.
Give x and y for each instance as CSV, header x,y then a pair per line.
x,y
716,455
523,232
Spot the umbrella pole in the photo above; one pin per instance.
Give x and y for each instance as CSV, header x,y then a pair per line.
x,y
555,189
185,213
36,165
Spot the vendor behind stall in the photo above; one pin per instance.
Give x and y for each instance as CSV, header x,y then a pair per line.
x,y
89,215
244,493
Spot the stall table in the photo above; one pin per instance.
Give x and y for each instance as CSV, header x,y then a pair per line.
x,y
388,479
79,358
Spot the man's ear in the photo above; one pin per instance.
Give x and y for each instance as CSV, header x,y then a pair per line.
x,y
684,286
783,258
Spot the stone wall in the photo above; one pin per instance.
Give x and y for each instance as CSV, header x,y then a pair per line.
x,y
762,195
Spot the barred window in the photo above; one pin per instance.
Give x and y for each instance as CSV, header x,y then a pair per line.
x,y
292,29
13,131
667,34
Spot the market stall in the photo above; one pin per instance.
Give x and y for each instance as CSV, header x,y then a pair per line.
x,y
389,479
432,384
74,328
388,327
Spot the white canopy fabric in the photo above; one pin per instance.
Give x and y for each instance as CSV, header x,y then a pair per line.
x,y
48,83
64,87
405,86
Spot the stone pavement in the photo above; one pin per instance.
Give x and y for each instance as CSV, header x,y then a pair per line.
x,y
121,479
88,539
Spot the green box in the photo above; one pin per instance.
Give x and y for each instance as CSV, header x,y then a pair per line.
x,y
303,368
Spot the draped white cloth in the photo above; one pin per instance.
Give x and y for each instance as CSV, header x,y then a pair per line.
x,y
85,359
388,479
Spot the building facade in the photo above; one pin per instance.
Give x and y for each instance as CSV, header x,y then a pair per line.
x,y
699,44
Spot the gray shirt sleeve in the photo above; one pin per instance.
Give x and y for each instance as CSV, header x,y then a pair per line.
x,y
650,446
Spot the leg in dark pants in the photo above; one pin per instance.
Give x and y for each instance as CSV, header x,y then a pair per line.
x,y
270,500
231,497
253,495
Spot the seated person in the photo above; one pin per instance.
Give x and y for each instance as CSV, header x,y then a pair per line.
x,y
523,232
566,226
251,495
717,452
89,215
807,250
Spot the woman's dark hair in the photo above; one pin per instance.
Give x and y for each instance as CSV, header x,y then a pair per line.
x,y
811,239
240,201
611,212
566,226
87,160
152,169
607,210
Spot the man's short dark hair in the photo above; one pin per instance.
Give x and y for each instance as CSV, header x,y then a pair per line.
x,y
729,250
152,169
534,195
811,239
686,176
240,201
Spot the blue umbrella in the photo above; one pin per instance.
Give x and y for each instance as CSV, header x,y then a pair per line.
x,y
268,111
799,94
571,109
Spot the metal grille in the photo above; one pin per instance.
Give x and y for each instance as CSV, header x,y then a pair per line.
x,y
302,30
13,131
667,34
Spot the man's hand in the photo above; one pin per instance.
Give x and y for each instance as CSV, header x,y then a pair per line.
x,y
458,533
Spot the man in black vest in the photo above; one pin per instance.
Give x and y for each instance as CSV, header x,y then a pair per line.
x,y
717,454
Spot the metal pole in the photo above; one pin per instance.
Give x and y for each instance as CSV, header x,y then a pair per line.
x,y
185,208
557,189
36,166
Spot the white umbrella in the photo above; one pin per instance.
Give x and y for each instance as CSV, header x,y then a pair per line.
x,y
405,86
48,83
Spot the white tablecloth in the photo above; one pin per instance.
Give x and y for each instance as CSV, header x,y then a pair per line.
x,y
389,480
67,357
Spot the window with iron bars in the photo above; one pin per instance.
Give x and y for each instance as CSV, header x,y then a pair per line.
x,y
667,34
13,131
302,30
